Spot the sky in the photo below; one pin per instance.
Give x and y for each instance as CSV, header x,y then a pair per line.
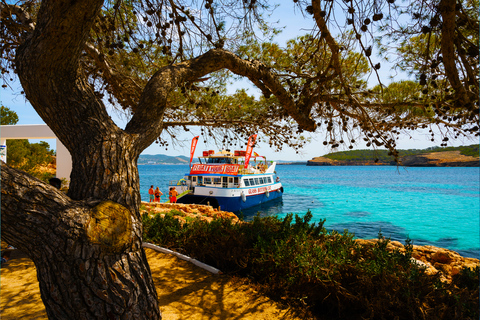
x,y
297,25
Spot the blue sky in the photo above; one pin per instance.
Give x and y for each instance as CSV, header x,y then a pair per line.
x,y
297,25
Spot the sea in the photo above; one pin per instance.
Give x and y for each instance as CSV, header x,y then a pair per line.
x,y
429,206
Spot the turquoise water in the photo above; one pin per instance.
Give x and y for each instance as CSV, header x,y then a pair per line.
x,y
434,206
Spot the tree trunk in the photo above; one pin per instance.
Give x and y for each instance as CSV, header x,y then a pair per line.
x,y
87,245
88,254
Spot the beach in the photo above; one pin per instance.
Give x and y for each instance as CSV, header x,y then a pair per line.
x,y
185,291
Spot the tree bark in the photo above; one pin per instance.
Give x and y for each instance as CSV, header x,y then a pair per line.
x,y
88,254
447,11
87,245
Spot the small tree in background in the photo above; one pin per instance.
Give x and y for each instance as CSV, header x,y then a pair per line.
x,y
26,156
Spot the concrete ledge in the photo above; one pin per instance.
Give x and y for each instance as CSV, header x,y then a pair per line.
x,y
183,257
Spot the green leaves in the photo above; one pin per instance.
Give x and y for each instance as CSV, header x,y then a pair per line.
x,y
7,116
24,155
326,272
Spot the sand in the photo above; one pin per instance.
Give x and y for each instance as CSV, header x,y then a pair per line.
x,y
185,291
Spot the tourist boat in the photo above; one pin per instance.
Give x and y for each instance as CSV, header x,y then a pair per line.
x,y
229,181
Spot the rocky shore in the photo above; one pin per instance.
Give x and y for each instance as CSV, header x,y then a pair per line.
x,y
434,259
187,211
324,161
440,159
433,159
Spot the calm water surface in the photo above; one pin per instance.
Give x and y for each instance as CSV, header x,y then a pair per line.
x,y
434,206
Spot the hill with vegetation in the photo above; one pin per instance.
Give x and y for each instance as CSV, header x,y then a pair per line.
x,y
162,159
464,156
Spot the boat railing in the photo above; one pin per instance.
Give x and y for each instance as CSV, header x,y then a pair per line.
x,y
250,170
175,183
180,189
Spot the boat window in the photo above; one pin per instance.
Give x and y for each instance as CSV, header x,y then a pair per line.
x,y
220,160
217,180
235,181
252,182
257,181
194,179
207,180
200,180
262,180
269,179
247,183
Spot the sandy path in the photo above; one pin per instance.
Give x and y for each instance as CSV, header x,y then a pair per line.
x,y
185,292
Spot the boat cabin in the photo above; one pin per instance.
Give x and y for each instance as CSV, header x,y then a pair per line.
x,y
225,169
221,180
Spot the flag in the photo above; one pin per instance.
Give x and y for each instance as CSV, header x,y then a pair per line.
x,y
257,155
248,153
192,148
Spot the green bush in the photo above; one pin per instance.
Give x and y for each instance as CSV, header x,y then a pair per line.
x,y
303,264
23,155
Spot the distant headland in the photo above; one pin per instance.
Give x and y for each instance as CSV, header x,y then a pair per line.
x,y
465,156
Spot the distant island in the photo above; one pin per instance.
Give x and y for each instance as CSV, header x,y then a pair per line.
x,y
465,156
162,159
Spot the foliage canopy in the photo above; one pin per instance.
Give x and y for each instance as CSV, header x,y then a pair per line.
x,y
317,82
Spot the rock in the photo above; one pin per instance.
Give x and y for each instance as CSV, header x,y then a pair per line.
x,y
441,257
440,159
203,212
428,159
433,259
321,161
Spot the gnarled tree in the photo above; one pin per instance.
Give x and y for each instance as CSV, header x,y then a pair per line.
x,y
166,64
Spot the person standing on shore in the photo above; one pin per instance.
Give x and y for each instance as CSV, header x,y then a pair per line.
x,y
173,195
151,193
158,194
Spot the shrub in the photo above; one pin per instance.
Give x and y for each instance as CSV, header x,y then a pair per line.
x,y
303,264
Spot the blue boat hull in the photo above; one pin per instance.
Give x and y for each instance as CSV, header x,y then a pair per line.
x,y
231,204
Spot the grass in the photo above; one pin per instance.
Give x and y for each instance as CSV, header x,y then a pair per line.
x,y
326,273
